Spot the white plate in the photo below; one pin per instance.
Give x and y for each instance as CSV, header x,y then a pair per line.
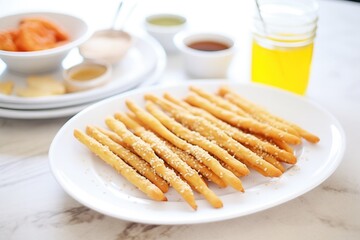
x,y
137,65
96,185
72,110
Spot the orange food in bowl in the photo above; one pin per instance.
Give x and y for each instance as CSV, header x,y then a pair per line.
x,y
33,34
7,41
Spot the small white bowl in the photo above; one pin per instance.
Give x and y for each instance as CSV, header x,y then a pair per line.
x,y
165,31
87,75
43,60
206,63
106,45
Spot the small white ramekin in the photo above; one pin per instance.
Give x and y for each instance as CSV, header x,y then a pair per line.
x,y
205,64
165,34
73,85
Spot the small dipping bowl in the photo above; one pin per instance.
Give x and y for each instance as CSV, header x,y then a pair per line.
x,y
87,75
206,55
164,27
108,46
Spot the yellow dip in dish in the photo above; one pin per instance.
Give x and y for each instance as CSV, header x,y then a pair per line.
x,y
88,73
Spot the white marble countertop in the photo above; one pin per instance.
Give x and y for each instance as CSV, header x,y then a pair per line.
x,y
34,206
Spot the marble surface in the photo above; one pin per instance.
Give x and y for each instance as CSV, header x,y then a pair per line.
x,y
34,206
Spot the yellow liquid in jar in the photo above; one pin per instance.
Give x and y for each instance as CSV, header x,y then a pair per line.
x,y
286,68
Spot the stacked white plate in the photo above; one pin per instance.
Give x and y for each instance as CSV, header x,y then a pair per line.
x,y
142,66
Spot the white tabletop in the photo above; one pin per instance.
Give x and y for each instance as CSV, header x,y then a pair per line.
x,y
34,206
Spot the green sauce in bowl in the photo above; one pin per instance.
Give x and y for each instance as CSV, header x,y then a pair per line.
x,y
163,27
166,20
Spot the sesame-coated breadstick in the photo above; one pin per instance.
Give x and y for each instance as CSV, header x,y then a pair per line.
x,y
229,105
250,107
113,141
142,183
244,123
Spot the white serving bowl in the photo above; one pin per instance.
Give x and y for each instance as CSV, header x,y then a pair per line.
x,y
43,60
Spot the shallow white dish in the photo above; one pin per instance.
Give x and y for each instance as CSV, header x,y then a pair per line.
x,y
73,109
138,64
96,185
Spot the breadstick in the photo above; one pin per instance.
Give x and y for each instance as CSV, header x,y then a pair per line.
x,y
244,123
280,144
263,118
213,133
251,107
197,139
246,139
231,169
199,153
219,101
117,163
283,145
269,158
146,152
228,105
233,107
112,141
160,148
198,166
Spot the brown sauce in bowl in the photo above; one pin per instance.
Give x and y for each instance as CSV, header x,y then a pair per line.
x,y
208,46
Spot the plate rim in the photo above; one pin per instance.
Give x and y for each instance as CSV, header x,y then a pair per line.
x,y
331,167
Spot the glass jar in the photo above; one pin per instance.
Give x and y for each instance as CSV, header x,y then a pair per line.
x,y
283,41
